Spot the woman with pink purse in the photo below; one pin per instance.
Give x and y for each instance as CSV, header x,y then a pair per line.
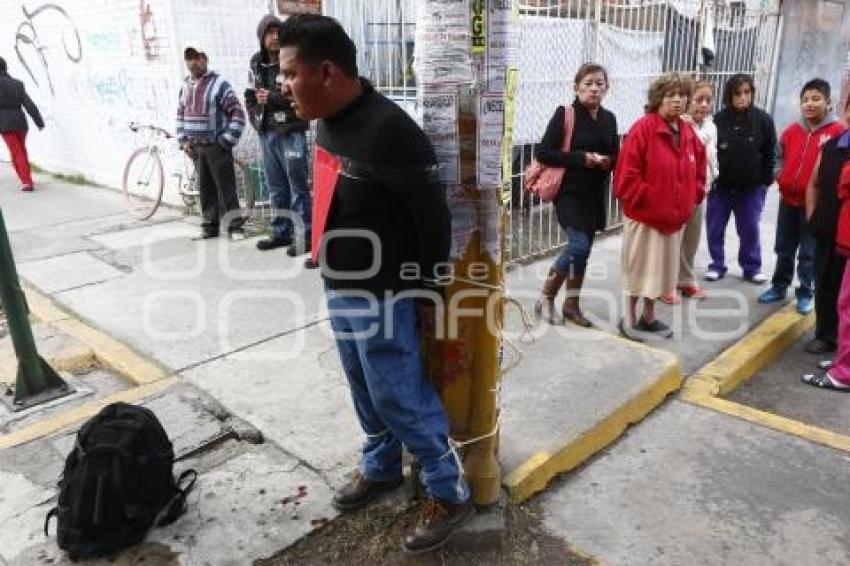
x,y
580,144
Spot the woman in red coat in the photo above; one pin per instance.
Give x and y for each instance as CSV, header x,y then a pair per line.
x,y
660,178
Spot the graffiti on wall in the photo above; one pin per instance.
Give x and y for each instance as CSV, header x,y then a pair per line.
x,y
147,27
31,50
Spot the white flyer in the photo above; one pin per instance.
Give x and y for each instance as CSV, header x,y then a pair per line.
x,y
491,125
439,118
441,55
502,42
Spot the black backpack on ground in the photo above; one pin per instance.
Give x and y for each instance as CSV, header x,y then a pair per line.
x,y
117,483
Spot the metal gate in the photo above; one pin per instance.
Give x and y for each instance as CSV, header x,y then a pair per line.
x,y
636,40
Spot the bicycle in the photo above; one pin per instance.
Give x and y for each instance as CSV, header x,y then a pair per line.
x,y
144,177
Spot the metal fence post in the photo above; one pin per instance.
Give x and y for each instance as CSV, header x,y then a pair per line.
x,y
36,381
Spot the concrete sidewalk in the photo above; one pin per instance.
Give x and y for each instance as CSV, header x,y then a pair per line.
x,y
778,390
247,332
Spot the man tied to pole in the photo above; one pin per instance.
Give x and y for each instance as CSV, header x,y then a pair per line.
x,y
379,209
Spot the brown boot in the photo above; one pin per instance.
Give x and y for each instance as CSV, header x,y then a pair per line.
x,y
545,306
571,310
438,522
360,491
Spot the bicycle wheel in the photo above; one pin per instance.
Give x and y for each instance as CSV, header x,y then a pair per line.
x,y
243,173
143,182
189,184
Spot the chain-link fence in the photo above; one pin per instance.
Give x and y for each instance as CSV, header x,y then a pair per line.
x,y
636,40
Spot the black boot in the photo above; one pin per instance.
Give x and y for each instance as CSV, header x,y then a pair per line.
x,y
273,242
360,491
545,306
438,522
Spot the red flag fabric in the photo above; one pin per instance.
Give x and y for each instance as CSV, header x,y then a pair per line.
x,y
326,168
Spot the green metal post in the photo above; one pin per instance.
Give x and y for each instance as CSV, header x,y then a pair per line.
x,y
36,381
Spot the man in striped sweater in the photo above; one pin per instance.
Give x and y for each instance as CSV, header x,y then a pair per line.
x,y
210,121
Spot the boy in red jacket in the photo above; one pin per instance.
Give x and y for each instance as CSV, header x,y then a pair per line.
x,y
800,145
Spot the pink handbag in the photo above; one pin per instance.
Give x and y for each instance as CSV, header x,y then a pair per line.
x,y
545,181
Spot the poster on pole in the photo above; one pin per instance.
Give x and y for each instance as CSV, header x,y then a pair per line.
x,y
491,125
478,26
439,119
441,55
511,84
502,42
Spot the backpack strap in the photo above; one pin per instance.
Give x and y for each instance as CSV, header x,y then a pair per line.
x,y
177,505
50,514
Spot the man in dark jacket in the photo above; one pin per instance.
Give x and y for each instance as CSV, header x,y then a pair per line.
x,y
383,232
746,152
284,143
13,123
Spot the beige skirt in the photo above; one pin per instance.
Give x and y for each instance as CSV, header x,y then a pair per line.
x,y
650,260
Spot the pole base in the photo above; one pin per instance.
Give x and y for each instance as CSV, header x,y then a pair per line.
x,y
38,399
50,387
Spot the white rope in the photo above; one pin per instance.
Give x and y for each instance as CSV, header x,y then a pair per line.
x,y
455,445
378,434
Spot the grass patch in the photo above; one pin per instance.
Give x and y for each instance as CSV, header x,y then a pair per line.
x,y
75,179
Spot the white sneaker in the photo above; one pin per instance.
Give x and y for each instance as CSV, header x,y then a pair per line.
x,y
758,278
712,275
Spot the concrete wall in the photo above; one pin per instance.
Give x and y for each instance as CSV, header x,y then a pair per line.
x,y
96,65
816,43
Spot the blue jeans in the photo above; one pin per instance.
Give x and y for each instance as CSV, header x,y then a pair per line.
x,y
793,237
285,159
573,258
378,343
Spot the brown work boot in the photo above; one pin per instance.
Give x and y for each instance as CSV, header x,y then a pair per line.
x,y
360,491
437,523
571,309
545,306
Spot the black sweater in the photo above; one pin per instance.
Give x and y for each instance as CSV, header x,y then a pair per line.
x,y
13,97
581,202
389,186
277,114
746,149
824,221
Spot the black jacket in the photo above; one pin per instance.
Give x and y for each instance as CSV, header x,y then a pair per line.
x,y
13,96
277,113
824,221
389,186
746,149
581,202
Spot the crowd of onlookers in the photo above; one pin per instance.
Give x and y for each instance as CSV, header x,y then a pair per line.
x,y
678,167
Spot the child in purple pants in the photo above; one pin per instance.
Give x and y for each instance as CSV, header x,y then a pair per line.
x,y
746,152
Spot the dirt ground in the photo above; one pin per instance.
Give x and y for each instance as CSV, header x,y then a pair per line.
x,y
373,536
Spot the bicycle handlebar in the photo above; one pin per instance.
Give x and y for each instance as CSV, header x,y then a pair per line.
x,y
135,127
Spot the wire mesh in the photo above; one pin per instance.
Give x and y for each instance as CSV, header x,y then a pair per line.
x,y
636,41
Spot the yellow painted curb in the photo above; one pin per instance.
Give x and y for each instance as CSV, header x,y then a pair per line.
x,y
770,420
535,473
70,417
108,351
148,377
741,362
755,351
